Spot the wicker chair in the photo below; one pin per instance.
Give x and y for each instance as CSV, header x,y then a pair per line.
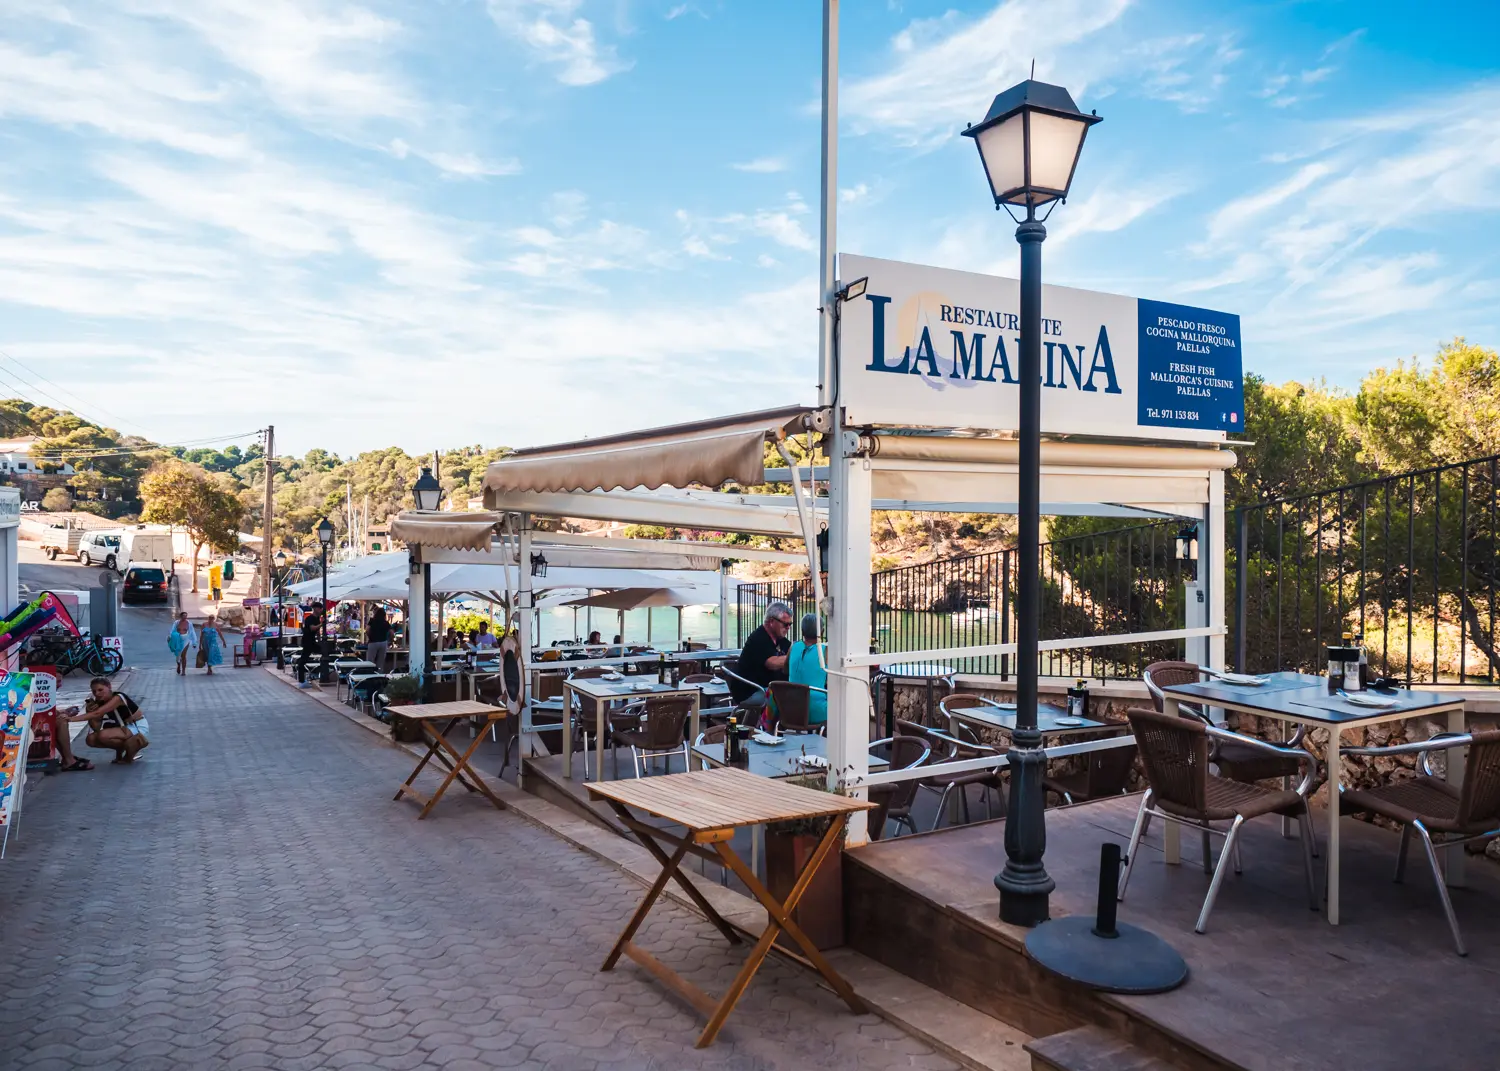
x,y
584,727
1175,753
793,705
1236,761
1107,774
1444,816
949,748
660,732
893,801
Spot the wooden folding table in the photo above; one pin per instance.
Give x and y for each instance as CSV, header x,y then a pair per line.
x,y
711,805
426,716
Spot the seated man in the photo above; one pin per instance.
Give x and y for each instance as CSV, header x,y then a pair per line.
x,y
115,724
764,656
486,639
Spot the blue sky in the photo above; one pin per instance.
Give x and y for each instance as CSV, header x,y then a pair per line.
x,y
516,221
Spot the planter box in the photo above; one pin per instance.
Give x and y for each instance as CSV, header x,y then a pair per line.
x,y
821,912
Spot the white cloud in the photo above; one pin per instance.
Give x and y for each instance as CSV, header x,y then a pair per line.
x,y
456,165
853,194
310,57
945,71
555,34
765,165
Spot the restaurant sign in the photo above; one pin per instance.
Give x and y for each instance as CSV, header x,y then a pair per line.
x,y
932,347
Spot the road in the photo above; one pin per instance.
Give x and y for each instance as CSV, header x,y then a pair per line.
x,y
143,629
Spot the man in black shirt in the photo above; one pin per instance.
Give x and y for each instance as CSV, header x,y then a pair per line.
x,y
763,658
379,637
312,645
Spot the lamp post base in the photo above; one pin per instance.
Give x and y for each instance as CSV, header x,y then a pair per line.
x,y
1025,886
1133,961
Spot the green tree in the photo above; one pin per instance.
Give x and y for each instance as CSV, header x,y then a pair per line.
x,y
57,500
1411,417
183,495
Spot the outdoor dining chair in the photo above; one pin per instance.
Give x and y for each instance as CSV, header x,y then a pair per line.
x,y
1444,816
793,705
751,708
949,748
893,801
1234,760
583,724
1105,773
659,733
1175,753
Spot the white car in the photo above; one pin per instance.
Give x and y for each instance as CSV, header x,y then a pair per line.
x,y
99,548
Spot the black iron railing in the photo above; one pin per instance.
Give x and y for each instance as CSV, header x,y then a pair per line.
x,y
1122,581
1409,562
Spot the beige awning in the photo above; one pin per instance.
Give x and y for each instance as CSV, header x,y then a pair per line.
x,y
456,531
707,453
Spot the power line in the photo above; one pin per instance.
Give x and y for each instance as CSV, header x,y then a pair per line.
x,y
70,407
84,454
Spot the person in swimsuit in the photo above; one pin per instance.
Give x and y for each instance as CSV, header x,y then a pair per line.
x,y
115,724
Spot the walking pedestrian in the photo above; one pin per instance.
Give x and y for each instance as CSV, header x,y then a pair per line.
x,y
180,639
312,643
210,646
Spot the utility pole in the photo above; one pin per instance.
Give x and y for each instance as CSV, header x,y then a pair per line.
x,y
266,547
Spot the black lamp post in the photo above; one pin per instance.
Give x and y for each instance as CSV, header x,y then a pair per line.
x,y
428,494
278,577
1029,144
325,540
1187,552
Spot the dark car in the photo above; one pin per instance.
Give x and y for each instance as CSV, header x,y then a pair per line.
x,y
144,582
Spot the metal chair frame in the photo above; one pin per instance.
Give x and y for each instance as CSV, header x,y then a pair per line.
x,y
1230,854
1432,842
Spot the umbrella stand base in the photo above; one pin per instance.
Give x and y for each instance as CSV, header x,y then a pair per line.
x,y
1135,961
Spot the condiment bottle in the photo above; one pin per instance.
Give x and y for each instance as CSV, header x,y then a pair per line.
x,y
1078,700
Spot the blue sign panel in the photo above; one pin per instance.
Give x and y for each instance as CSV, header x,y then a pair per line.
x,y
1191,375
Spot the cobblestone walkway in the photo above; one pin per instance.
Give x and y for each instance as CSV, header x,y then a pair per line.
x,y
248,895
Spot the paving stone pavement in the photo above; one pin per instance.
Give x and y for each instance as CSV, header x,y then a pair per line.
x,y
249,896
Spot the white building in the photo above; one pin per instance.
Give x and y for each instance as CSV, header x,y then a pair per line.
x,y
15,457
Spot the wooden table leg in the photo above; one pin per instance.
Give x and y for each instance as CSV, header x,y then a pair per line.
x,y
643,833
432,748
668,870
779,920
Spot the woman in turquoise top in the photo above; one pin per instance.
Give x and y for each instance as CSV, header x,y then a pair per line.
x,y
803,666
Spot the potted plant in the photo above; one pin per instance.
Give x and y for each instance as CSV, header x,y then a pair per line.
x,y
398,691
789,845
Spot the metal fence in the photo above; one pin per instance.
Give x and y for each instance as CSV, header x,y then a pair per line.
x,y
1409,562
1122,581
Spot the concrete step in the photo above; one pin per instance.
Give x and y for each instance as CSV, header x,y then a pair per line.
x,y
1091,1048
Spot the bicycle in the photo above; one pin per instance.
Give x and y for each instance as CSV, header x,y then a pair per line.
x,y
68,653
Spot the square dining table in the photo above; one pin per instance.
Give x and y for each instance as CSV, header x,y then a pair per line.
x,y
1302,699
711,805
427,716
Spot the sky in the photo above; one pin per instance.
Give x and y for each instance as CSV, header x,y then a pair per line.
x,y
513,222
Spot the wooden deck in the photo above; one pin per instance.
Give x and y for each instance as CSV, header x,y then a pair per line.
x,y
1272,987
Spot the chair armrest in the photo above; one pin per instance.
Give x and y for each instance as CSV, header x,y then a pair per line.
x,y
1305,757
1421,748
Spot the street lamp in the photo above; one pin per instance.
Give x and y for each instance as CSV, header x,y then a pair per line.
x,y
278,578
538,564
325,540
1029,145
427,491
